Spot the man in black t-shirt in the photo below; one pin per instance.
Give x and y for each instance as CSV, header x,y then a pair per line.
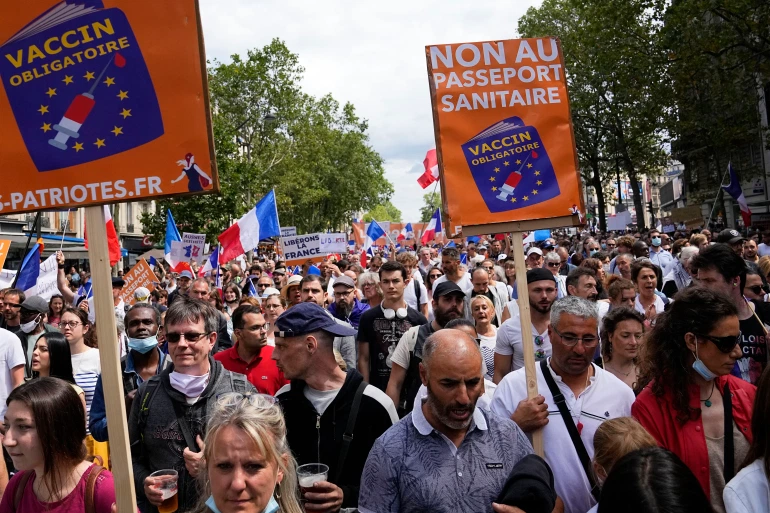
x,y
381,328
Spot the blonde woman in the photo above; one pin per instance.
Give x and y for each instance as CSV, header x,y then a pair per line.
x,y
483,311
369,283
247,458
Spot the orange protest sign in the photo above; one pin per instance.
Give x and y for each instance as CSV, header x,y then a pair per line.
x,y
5,245
503,133
140,275
102,101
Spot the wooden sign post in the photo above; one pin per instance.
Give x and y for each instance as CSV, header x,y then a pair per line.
x,y
506,149
109,355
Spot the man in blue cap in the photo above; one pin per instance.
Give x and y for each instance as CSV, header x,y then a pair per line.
x,y
332,416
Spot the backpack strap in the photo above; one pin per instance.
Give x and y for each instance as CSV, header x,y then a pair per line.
x,y
144,410
347,437
19,492
96,471
417,292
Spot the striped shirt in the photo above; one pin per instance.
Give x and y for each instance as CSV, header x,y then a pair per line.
x,y
86,369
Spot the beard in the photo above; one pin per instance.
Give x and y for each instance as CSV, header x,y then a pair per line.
x,y
442,412
444,316
345,309
540,308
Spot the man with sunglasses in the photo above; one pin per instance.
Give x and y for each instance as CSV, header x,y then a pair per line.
x,y
170,411
592,395
720,268
12,300
320,402
251,356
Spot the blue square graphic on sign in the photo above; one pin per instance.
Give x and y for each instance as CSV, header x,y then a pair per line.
x,y
510,166
78,86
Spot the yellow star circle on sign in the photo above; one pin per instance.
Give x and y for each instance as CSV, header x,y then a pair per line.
x,y
78,147
529,166
534,191
46,127
110,81
100,142
118,130
513,200
537,173
491,178
126,113
526,198
518,162
43,109
540,182
494,189
123,95
51,92
497,170
89,76
506,163
67,80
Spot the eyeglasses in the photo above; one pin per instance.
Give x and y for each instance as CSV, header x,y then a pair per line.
x,y
343,293
190,336
724,344
756,289
572,340
70,324
610,245
487,268
554,264
259,401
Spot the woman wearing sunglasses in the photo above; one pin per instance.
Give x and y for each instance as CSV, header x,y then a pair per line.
x,y
691,403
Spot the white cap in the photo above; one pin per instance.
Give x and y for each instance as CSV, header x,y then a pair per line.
x,y
501,257
141,295
270,291
535,250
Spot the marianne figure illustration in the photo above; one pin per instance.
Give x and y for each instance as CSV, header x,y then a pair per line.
x,y
197,179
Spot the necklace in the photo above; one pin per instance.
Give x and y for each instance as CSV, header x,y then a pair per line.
x,y
618,371
580,424
707,401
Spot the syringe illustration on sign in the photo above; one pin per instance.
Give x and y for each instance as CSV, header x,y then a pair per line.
x,y
78,85
510,166
79,109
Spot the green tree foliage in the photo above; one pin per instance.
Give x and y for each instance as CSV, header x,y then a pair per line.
x,y
385,212
314,152
431,201
616,81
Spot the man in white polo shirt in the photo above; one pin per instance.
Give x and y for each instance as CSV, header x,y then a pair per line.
x,y
591,394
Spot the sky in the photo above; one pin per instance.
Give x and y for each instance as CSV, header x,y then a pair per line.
x,y
370,54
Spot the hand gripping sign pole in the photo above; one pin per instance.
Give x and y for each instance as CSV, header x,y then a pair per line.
x,y
117,426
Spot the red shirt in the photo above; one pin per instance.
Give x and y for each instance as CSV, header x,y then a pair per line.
x,y
262,372
687,441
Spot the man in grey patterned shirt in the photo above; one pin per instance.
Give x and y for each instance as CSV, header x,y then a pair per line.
x,y
447,456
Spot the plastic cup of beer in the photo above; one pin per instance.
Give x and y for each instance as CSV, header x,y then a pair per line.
x,y
167,483
311,473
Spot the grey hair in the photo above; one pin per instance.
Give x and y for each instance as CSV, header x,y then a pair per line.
x,y
433,341
624,256
551,256
688,252
574,305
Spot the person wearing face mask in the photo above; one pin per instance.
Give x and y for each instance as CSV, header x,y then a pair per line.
x,y
690,403
32,314
170,411
143,360
658,255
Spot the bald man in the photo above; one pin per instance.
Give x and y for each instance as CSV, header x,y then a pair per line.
x,y
475,447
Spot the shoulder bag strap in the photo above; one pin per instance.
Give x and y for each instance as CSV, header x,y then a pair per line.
x,y
561,403
19,492
185,427
347,437
96,470
729,449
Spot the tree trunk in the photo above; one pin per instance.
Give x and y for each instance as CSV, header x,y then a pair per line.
x,y
596,181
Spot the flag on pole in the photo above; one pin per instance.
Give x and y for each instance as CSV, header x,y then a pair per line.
x,y
113,244
86,289
172,235
433,228
406,232
373,233
734,189
152,263
314,270
431,169
252,289
259,223
211,263
464,258
30,269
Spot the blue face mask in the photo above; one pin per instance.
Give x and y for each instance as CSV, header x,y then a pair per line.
x,y
700,367
272,506
143,345
593,252
656,241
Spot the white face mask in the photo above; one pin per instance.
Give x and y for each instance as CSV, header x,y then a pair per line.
x,y
190,386
29,327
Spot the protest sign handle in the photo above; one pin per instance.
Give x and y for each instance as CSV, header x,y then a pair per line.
x,y
117,426
526,330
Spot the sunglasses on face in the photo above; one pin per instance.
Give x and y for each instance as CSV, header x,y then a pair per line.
x,y
554,264
724,344
756,289
190,336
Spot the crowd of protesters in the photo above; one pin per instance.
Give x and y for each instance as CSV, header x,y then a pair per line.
x,y
395,381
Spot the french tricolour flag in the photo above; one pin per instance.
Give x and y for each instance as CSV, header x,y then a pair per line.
x,y
734,189
113,244
373,232
172,235
431,169
211,264
433,228
259,223
406,232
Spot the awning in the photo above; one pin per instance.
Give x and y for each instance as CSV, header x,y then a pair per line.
x,y
157,253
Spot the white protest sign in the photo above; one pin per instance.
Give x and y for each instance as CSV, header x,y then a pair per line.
x,y
298,249
288,231
193,245
46,281
333,243
6,278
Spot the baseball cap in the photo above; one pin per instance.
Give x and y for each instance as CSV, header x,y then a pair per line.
x,y
729,236
445,288
186,274
35,304
345,281
539,274
535,250
142,294
270,291
306,318
482,247
117,282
